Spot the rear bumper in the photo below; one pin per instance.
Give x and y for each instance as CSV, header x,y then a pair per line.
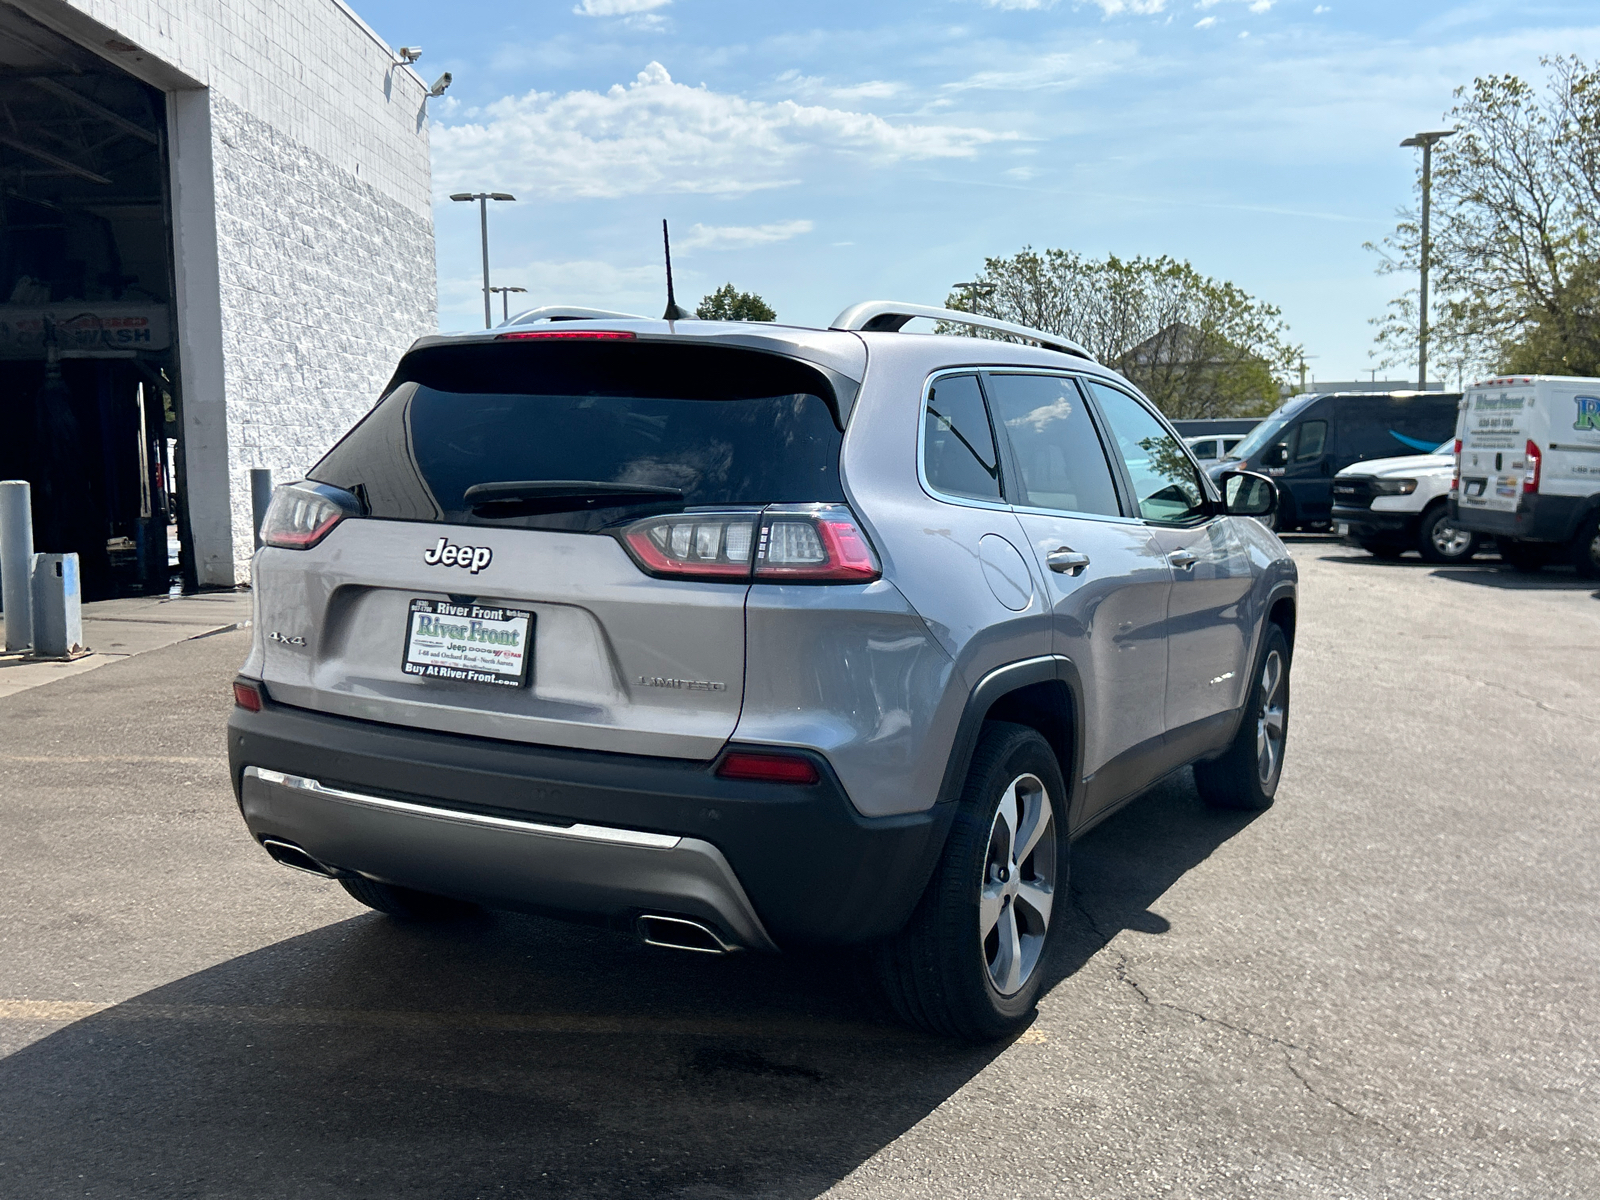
x,y
1538,518
579,833
1377,526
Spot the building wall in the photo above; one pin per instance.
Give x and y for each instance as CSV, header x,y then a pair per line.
x,y
310,68
302,227
320,296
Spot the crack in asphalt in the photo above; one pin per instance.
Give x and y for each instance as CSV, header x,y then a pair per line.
x,y
1125,975
1533,700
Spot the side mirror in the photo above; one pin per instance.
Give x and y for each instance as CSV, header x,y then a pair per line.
x,y
1276,456
1246,494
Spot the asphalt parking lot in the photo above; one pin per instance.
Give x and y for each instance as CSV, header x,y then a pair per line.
x,y
1384,986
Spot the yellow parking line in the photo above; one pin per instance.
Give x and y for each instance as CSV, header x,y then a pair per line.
x,y
560,1023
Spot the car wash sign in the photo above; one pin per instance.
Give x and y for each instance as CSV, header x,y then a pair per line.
x,y
83,328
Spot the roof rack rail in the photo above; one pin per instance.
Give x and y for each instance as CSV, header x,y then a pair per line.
x,y
567,312
889,315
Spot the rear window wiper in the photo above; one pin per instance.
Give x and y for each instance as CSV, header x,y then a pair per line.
x,y
517,498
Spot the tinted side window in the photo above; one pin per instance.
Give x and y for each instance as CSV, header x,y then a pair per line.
x,y
1053,440
958,455
1313,437
1164,480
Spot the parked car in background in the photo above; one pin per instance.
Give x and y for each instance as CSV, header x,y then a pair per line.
x,y
1390,505
1213,448
1311,438
1528,457
706,630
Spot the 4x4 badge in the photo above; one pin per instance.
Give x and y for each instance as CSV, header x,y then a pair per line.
x,y
443,554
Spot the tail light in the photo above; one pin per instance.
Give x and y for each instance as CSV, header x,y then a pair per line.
x,y
247,695
710,545
767,768
1530,478
798,543
1455,478
302,514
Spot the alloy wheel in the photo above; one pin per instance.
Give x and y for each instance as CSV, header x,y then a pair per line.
x,y
1019,879
1272,720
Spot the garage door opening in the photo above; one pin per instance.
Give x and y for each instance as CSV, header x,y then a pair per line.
x,y
89,398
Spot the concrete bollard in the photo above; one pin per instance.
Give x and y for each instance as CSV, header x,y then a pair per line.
x,y
57,606
16,562
260,497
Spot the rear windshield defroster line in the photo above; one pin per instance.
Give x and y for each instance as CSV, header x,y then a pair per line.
x,y
720,426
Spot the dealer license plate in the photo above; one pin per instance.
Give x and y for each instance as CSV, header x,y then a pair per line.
x,y
1342,529
468,643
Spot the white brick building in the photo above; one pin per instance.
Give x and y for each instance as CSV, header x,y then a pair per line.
x,y
285,165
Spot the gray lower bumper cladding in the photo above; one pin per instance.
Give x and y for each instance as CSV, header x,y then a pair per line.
x,y
499,861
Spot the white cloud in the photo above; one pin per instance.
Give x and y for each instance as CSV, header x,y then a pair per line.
x,y
657,136
1260,6
817,87
1205,22
618,8
1084,64
740,237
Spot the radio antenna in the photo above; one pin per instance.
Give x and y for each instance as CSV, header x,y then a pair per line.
x,y
673,313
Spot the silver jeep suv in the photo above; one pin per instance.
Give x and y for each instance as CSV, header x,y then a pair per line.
x,y
753,637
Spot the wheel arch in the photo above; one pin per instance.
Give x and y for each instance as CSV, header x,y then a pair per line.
x,y
1281,612
1043,693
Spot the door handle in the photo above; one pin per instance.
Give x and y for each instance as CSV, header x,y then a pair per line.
x,y
1066,561
1182,559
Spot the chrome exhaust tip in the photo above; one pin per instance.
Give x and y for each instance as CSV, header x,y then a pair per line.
x,y
680,933
291,855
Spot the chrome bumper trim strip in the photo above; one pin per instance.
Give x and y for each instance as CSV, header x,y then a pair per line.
x,y
582,833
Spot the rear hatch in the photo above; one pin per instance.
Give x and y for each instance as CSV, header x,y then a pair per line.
x,y
1494,435
420,609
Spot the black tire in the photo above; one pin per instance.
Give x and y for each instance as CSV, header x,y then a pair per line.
x,y
1524,556
1243,778
1387,551
405,904
1585,549
1440,540
939,972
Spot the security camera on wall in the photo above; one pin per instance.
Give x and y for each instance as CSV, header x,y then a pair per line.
x,y
440,84
410,54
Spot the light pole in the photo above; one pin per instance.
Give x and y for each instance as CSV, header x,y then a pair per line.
x,y
505,310
483,199
975,291
1426,141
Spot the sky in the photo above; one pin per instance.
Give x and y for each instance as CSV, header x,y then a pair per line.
x,y
824,153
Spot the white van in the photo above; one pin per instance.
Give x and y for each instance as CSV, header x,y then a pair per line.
x,y
1528,468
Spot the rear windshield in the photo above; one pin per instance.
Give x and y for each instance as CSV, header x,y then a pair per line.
x,y
722,426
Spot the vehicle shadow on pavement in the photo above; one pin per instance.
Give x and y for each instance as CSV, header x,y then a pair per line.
x,y
513,1056
1124,865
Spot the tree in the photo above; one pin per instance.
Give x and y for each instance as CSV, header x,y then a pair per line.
x,y
727,303
1515,256
1198,347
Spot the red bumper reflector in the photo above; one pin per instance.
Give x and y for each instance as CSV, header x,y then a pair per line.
x,y
768,768
568,335
247,695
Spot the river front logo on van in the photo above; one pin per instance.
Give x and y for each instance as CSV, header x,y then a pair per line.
x,y
1588,413
443,554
